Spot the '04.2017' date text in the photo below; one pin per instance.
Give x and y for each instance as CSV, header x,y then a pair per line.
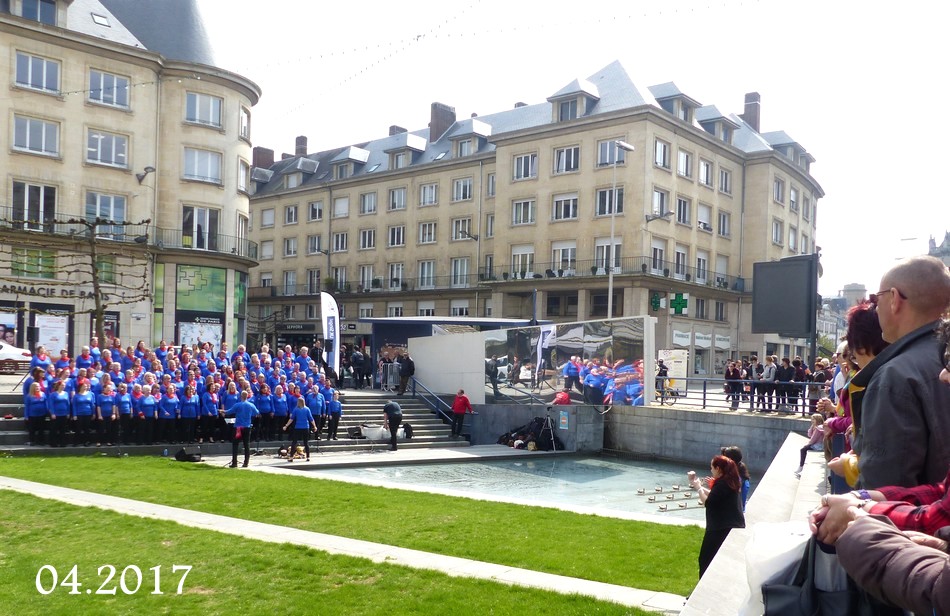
x,y
110,579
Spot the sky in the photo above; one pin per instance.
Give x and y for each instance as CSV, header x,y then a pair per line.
x,y
843,78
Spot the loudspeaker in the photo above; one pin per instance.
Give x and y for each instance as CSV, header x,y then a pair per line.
x,y
189,453
354,432
32,335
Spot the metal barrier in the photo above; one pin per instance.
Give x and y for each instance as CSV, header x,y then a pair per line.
x,y
436,404
775,397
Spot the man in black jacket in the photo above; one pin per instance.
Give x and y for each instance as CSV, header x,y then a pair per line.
x,y
407,368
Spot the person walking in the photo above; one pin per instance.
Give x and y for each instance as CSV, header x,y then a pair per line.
x,y
407,368
392,414
243,413
302,420
460,406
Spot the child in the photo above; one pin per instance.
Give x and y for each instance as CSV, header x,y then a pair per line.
x,y
816,433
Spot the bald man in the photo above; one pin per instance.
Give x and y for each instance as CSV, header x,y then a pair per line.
x,y
902,418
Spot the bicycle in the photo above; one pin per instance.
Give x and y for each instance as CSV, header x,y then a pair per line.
x,y
666,395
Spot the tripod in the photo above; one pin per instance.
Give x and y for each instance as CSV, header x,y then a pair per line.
x,y
549,427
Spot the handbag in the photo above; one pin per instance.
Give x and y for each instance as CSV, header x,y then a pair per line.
x,y
821,588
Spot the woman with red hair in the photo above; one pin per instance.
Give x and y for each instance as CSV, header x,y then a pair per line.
x,y
723,506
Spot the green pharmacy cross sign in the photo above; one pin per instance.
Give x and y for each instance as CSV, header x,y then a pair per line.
x,y
679,302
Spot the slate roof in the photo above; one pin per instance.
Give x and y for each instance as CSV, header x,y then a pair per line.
x,y
173,28
79,19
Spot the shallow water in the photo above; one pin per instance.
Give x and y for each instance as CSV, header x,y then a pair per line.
x,y
604,484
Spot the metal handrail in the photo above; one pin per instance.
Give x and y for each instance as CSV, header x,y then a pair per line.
x,y
436,406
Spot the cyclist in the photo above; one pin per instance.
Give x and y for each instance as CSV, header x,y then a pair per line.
x,y
661,373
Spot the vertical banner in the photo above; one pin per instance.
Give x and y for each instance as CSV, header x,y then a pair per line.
x,y
331,327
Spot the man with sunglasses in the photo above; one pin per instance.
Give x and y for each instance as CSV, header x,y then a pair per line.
x,y
902,418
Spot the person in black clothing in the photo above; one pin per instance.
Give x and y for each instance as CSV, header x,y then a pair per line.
x,y
723,506
784,389
356,361
392,414
661,373
491,369
407,368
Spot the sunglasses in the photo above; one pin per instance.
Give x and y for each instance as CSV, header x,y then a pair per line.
x,y
874,297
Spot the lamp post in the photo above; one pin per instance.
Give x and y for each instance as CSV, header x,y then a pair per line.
x,y
618,145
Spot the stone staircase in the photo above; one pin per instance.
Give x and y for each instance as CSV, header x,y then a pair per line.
x,y
359,407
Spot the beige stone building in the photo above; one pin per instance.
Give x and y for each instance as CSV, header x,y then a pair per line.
x,y
525,212
118,124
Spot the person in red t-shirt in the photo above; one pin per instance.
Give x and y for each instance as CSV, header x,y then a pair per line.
x,y
563,396
460,406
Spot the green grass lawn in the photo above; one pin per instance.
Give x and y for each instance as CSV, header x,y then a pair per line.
x,y
228,575
634,554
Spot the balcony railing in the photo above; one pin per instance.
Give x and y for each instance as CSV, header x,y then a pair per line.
x,y
157,237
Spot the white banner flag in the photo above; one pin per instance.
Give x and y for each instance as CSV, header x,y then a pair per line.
x,y
331,328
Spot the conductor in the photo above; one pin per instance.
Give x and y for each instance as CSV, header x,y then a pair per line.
x,y
243,413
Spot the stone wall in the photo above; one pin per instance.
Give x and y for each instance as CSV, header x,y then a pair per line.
x,y
584,433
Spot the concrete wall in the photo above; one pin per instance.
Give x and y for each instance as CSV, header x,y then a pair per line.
x,y
696,435
584,433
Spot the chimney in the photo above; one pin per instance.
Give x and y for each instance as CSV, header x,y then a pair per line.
x,y
520,104
395,130
286,155
443,117
301,146
753,107
263,157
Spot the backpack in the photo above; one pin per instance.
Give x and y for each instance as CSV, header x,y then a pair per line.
x,y
407,430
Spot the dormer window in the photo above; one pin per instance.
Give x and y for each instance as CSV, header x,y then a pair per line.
x,y
726,135
342,171
43,11
684,112
464,147
399,160
293,180
567,110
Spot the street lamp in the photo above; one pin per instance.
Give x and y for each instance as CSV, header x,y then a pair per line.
x,y
617,145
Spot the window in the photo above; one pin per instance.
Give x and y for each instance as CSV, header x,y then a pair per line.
x,y
342,171
567,110
522,212
397,235
606,199
368,203
490,190
459,272
244,176
314,244
43,11
522,260
106,207
397,199
462,189
464,147
105,267
37,73
661,201
490,225
604,255
793,239
315,211
339,242
704,218
426,275
564,255
33,263
658,252
680,260
700,310
399,160
290,215
566,159
202,165
267,249
290,282
203,109
722,271
292,180
199,228
461,228
366,310
725,223
778,232
458,307
661,154
35,205
242,229
108,89
705,172
684,164
339,275
267,218
702,265
526,166
725,181
341,207
367,279
683,210
37,136
290,312
793,199
720,314
425,308
367,239
106,148
805,246
427,232
428,194
396,272
244,123
607,150
565,207
313,310
806,208
267,280
394,309
778,190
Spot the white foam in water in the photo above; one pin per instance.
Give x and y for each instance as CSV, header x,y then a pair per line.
x,y
588,485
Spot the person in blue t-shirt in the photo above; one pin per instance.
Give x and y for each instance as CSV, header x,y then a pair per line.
x,y
335,410
123,404
302,420
59,410
35,410
209,412
169,409
281,403
243,413
264,402
84,409
188,413
105,416
317,404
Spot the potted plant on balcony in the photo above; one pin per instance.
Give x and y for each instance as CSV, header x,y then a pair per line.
x,y
643,268
666,272
329,284
593,270
377,283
